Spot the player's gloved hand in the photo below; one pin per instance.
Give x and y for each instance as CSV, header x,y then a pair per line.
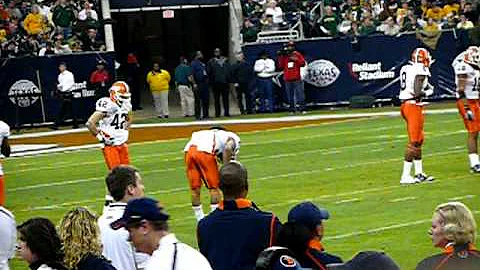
x,y
469,114
105,138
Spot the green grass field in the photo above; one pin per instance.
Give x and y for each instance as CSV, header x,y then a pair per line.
x,y
351,168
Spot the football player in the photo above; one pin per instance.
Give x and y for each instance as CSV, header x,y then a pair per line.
x,y
201,154
113,116
467,75
5,151
414,86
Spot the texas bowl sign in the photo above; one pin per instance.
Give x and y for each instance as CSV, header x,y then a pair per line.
x,y
321,73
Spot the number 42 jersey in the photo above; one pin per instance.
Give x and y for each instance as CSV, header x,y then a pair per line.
x,y
114,123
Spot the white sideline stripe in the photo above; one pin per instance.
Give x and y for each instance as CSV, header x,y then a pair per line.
x,y
326,151
469,196
382,229
402,199
348,201
238,121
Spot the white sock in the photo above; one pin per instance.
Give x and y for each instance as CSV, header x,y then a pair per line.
x,y
473,159
198,211
407,167
213,207
418,166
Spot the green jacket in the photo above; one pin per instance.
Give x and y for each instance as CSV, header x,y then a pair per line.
x,y
63,16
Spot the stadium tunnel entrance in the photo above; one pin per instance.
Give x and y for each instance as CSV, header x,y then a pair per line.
x,y
150,35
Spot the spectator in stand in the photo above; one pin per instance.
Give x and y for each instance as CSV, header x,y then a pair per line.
x,y
354,30
47,50
454,230
249,31
268,24
14,11
61,48
158,81
451,9
63,16
244,79
409,23
34,23
87,12
200,86
368,27
100,80
431,26
421,10
4,15
329,22
265,70
219,71
8,236
290,62
303,233
184,82
124,183
39,245
81,241
133,67
233,236
90,41
402,12
464,23
367,260
146,221
470,13
389,27
436,12
275,11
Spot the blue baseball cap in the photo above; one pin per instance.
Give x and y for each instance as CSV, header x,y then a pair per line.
x,y
140,209
308,214
371,260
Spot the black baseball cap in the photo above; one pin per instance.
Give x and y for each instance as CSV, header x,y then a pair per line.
x,y
367,260
141,209
308,214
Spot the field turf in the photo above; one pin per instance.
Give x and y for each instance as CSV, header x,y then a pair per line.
x,y
351,168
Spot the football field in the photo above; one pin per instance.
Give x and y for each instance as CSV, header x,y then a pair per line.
x,y
352,168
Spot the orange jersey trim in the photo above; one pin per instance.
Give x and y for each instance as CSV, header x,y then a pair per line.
x,y
241,204
315,244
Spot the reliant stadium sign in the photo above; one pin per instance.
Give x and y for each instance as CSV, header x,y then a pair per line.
x,y
369,71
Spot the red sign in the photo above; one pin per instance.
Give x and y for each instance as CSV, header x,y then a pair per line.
x,y
168,14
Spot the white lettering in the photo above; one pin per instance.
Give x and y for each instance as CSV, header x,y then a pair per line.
x,y
377,75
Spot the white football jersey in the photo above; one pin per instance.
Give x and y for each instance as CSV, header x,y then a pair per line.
x,y
471,85
407,79
116,246
213,141
4,133
116,119
8,237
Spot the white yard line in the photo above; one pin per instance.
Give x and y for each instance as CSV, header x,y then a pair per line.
x,y
348,201
402,199
469,196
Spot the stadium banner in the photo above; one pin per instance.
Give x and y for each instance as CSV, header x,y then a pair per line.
x,y
341,68
126,4
28,86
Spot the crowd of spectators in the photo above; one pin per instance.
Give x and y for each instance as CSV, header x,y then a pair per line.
x,y
237,235
332,18
46,27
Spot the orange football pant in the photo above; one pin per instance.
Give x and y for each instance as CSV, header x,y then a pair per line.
x,y
116,155
201,166
474,106
413,115
2,190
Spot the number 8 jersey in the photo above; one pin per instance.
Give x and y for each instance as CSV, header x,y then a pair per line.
x,y
113,126
407,79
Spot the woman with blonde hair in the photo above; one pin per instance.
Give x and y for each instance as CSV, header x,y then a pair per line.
x,y
81,241
454,230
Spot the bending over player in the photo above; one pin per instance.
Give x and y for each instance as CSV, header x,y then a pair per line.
x,y
201,154
5,151
414,86
467,75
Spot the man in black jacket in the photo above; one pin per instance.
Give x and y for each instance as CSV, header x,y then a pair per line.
x,y
219,70
244,79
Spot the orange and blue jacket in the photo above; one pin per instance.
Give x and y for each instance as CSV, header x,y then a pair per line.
x,y
316,258
232,237
460,257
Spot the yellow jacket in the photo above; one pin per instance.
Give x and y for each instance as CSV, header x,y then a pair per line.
x,y
34,23
158,81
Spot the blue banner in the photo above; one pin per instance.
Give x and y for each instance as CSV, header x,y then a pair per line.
x,y
28,86
340,68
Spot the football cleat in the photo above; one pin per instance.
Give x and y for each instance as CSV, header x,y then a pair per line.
x,y
475,169
421,177
407,180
